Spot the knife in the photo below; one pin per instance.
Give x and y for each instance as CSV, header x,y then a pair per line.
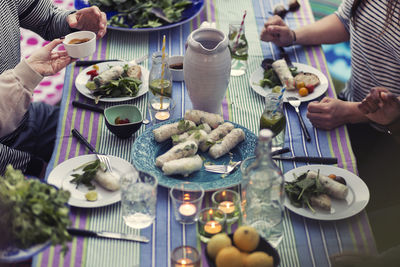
x,y
103,234
92,62
322,160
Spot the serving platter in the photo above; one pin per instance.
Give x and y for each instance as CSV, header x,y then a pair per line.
x,y
356,200
146,149
83,78
258,75
187,15
60,177
12,254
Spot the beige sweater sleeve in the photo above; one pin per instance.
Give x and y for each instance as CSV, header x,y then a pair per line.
x,y
16,89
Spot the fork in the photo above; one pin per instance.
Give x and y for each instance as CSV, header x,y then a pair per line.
x,y
102,157
295,102
224,169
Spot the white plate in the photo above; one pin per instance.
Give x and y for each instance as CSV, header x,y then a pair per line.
x,y
258,75
13,254
60,177
83,78
355,202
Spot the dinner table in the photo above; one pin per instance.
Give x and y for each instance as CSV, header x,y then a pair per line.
x,y
306,241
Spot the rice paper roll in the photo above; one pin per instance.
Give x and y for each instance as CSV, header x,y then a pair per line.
x,y
205,127
333,188
285,76
108,180
108,75
183,166
198,136
199,116
182,150
233,138
216,134
165,131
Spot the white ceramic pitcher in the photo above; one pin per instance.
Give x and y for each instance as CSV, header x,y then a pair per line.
x,y
207,67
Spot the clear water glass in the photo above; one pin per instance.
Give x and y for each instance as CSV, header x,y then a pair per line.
x,y
239,48
138,199
273,118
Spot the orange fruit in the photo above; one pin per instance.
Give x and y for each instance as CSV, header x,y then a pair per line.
x,y
300,85
229,257
216,243
259,259
246,238
303,91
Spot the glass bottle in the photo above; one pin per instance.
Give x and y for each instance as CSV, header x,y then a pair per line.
x,y
239,48
263,191
164,89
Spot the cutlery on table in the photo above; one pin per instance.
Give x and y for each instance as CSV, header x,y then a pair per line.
x,y
295,102
225,169
92,62
321,160
103,158
112,235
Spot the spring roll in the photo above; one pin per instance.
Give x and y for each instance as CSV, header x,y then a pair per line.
x,y
333,188
205,127
165,131
183,166
285,76
108,75
216,134
322,201
108,180
233,138
199,116
182,150
198,136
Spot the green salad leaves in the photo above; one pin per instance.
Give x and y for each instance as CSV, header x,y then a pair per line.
x,y
32,212
142,13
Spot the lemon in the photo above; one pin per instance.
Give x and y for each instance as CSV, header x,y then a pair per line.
x,y
91,196
276,89
246,238
216,243
259,259
229,257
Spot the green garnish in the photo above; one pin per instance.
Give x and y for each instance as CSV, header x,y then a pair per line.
x,y
89,173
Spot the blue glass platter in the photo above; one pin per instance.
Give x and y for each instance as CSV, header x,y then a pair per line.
x,y
146,149
190,13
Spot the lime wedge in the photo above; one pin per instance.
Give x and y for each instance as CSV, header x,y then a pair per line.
x,y
91,196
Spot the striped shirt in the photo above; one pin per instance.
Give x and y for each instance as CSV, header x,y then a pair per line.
x,y
42,17
375,55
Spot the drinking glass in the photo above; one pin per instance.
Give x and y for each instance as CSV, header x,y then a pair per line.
x,y
229,202
186,200
239,48
160,77
273,118
185,256
138,199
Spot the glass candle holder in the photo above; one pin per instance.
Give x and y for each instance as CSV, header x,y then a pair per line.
x,y
211,221
185,256
161,108
229,202
186,200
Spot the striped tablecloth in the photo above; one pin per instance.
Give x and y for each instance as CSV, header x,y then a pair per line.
x,y
306,242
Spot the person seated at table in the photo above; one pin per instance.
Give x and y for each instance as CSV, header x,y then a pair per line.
x,y
372,27
27,130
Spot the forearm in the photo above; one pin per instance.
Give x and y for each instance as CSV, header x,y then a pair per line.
x,y
328,30
352,114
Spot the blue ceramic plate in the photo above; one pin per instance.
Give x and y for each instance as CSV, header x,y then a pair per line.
x,y
13,254
187,15
146,149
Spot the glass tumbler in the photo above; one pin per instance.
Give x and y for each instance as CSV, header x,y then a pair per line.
x,y
160,77
239,48
273,118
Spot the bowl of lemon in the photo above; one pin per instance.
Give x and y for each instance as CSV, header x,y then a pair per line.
x,y
244,248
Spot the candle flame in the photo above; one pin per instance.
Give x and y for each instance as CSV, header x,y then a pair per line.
x,y
210,212
212,224
223,193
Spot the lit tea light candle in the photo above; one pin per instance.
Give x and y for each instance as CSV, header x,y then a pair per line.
x,y
162,115
157,105
185,262
187,209
227,206
212,227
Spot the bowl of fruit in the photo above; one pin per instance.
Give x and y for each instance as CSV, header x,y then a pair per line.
x,y
244,248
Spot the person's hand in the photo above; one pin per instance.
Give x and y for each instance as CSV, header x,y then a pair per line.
x,y
275,30
380,106
89,19
48,62
328,114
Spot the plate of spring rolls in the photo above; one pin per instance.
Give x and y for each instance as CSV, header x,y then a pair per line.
x,y
106,185
325,192
177,150
112,72
319,89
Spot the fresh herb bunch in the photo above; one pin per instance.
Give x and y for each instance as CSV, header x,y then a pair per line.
x,y
140,13
32,212
89,173
302,189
